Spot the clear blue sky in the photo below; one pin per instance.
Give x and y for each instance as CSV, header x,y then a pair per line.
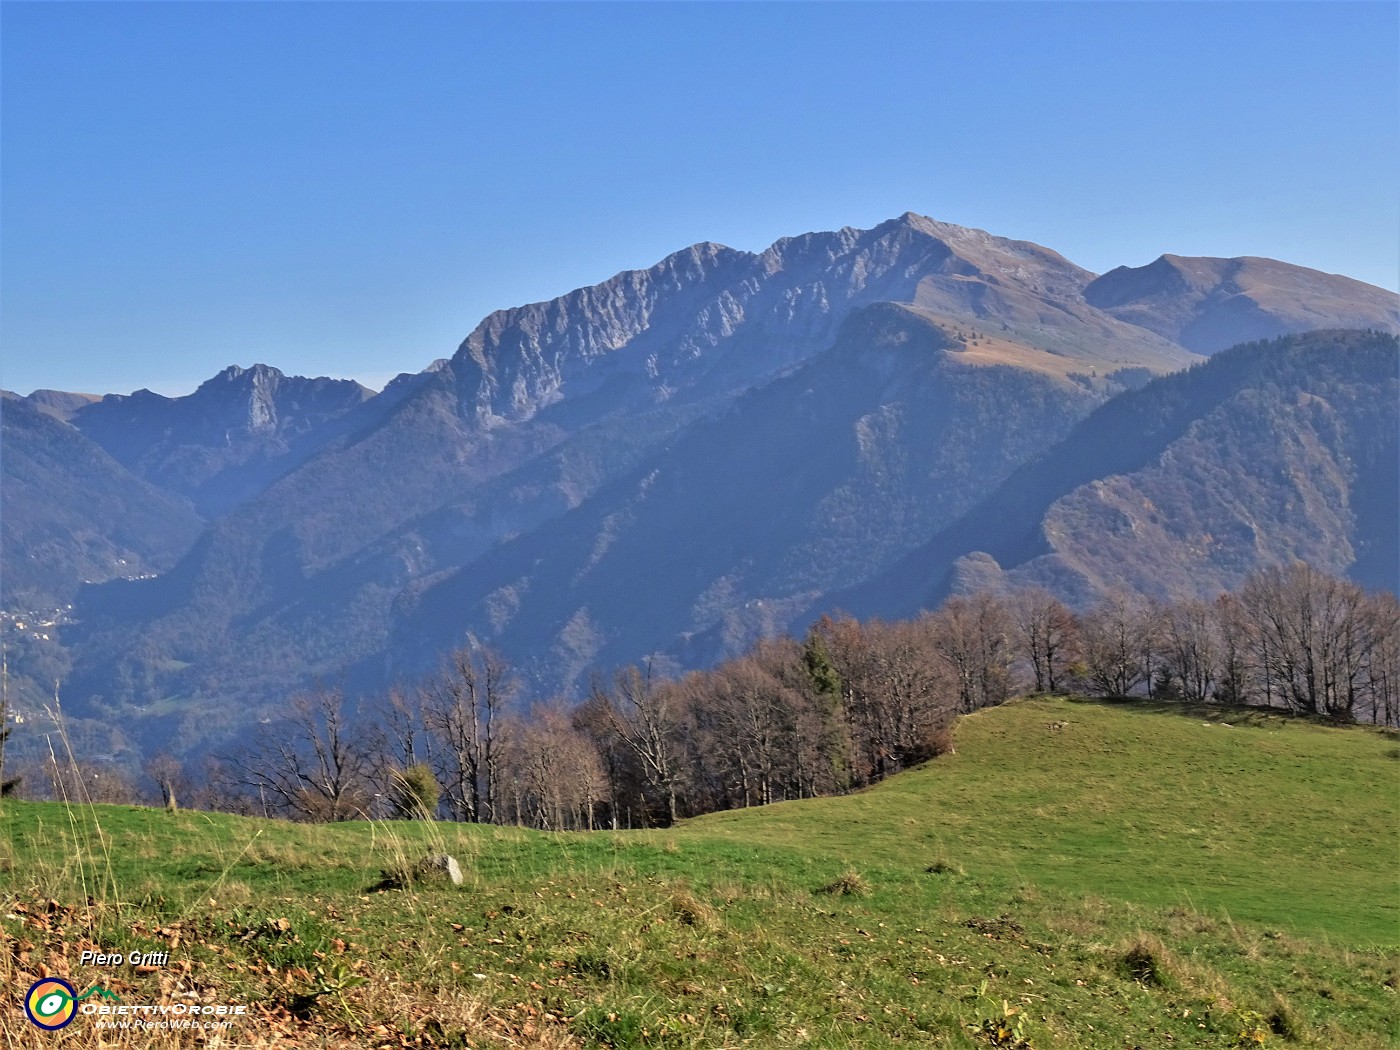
x,y
346,189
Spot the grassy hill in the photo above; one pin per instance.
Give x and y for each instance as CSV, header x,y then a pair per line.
x,y
1077,875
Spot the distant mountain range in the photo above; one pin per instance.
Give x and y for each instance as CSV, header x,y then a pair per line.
x,y
683,458
72,513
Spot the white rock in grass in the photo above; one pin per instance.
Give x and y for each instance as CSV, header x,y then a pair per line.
x,y
440,864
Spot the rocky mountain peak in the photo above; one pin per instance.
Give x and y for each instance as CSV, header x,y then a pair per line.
x,y
710,314
190,444
931,227
986,251
699,260
255,387
255,373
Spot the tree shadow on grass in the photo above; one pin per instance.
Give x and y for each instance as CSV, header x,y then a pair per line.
x,y
1251,715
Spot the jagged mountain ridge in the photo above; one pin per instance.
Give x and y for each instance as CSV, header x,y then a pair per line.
x,y
790,300
546,408
225,441
861,456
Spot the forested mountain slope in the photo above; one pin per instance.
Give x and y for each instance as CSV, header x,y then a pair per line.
x,y
1268,453
72,513
743,523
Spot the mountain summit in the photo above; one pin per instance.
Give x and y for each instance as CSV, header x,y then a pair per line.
x,y
227,439
683,457
1208,304
710,318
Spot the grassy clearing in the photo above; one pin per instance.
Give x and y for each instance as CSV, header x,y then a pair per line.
x,y
1241,815
1137,878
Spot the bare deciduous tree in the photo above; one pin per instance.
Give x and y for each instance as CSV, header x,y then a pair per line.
x,y
970,634
555,773
462,708
316,763
643,712
897,692
1383,661
169,774
402,721
1312,634
1047,631
75,780
752,715
1116,634
1233,648
1191,648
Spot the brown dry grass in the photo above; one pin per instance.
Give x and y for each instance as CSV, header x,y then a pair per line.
x,y
991,350
386,1011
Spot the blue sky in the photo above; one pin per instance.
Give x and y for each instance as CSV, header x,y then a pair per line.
x,y
346,189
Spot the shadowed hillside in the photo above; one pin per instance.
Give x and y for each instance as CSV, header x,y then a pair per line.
x,y
72,513
1268,453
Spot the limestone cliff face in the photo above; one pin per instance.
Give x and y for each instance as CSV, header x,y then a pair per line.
x,y
521,360
711,318
221,443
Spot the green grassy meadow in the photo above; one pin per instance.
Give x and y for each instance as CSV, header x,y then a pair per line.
x,y
1145,876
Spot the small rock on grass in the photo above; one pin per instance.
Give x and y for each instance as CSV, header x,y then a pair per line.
x,y
440,864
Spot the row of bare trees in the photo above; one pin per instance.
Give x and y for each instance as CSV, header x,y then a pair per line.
x,y
849,705
854,702
331,759
1291,637
844,707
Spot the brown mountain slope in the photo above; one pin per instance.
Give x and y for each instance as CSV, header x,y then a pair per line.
x,y
1267,453
61,404
1207,304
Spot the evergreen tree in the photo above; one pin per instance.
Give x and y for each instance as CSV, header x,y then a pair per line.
x,y
414,792
823,674
829,693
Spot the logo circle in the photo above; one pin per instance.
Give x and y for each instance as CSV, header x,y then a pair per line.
x,y
51,1003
